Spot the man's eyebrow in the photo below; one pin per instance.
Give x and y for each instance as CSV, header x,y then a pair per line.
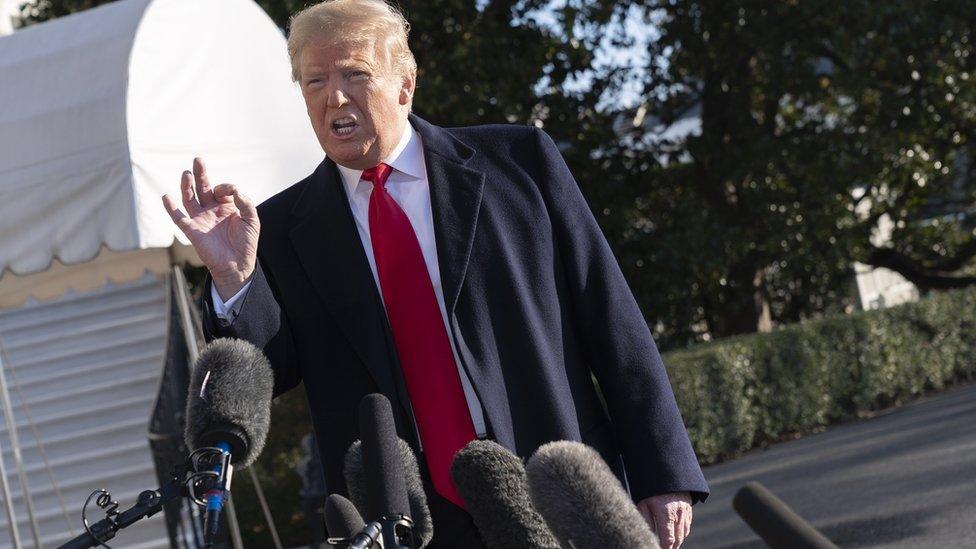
x,y
353,64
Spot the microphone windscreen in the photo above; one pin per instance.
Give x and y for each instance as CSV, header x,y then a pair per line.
x,y
492,482
229,399
423,524
582,501
774,521
386,490
342,520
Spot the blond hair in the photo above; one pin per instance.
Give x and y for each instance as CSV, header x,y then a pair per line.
x,y
353,21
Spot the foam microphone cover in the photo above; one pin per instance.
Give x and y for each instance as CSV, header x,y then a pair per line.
x,y
423,525
492,482
582,501
386,489
229,399
774,521
342,520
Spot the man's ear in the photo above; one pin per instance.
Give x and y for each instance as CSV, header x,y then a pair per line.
x,y
407,87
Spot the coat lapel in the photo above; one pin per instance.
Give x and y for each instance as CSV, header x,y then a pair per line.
x,y
332,255
456,191
455,198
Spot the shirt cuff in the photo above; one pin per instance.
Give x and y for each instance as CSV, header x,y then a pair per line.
x,y
228,310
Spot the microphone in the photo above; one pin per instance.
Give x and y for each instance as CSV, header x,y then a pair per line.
x,y
386,498
774,521
423,525
346,526
492,482
341,517
229,408
582,501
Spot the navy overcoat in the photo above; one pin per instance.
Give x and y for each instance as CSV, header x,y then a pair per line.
x,y
535,299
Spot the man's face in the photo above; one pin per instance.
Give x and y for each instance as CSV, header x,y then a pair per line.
x,y
357,104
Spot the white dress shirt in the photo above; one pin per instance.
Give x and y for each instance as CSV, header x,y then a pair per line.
x,y
409,187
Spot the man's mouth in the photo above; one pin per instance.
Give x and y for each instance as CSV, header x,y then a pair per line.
x,y
343,127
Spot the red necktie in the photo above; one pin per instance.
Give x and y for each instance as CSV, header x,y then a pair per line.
x,y
421,340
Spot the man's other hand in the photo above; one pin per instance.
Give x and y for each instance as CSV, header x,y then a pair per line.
x,y
669,515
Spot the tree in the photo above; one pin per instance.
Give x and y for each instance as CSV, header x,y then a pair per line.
x,y
817,120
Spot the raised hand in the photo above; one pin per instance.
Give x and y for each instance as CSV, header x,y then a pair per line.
x,y
222,224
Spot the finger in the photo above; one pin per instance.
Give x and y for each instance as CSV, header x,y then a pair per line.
x,y
189,197
204,192
224,193
689,516
680,528
245,206
175,213
666,529
659,529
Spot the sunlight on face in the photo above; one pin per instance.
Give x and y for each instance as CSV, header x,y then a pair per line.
x,y
357,104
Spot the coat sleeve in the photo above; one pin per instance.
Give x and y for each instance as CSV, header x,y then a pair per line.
x,y
617,343
263,323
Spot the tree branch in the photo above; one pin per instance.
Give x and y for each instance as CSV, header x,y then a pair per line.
x,y
923,278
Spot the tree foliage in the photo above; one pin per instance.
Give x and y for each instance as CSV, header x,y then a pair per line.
x,y
816,121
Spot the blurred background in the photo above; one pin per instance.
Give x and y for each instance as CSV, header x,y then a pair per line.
x,y
788,186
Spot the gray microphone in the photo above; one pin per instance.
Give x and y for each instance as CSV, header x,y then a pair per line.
x,y
228,407
355,474
582,501
492,482
229,399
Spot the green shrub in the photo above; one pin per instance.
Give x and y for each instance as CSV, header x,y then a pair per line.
x,y
747,391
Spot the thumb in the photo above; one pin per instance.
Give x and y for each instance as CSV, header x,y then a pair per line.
x,y
245,206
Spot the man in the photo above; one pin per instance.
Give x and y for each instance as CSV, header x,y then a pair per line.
x,y
459,272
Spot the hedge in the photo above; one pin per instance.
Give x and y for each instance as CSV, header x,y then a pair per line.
x,y
740,393
735,394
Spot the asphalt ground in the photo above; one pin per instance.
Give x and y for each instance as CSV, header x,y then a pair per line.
x,y
904,478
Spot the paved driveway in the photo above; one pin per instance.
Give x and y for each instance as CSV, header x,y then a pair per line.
x,y
905,478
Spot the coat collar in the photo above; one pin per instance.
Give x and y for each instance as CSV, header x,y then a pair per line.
x,y
329,248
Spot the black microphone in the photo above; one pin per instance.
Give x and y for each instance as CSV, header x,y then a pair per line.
x,y
346,526
582,501
386,498
341,517
492,482
228,407
423,525
774,521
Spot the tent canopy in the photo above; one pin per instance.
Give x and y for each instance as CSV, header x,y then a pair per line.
x,y
101,111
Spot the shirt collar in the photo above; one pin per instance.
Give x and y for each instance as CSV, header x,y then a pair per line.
x,y
407,157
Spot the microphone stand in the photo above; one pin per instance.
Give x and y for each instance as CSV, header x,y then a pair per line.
x,y
397,532
148,504
382,534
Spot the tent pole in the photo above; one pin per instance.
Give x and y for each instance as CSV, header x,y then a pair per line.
x,y
8,412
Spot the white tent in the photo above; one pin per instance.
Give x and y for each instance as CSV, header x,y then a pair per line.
x,y
101,111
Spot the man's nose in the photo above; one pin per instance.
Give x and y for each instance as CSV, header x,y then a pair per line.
x,y
337,97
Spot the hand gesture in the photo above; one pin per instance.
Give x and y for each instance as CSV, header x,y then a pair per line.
x,y
222,224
